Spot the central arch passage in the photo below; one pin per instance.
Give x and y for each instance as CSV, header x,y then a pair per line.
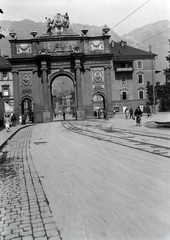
x,y
63,99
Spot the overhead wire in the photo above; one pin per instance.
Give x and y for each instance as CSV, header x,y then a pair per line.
x,y
155,35
156,44
129,15
132,14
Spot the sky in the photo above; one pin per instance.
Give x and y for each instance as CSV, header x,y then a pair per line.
x,y
90,12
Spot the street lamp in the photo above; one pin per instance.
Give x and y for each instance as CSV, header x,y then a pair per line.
x,y
153,82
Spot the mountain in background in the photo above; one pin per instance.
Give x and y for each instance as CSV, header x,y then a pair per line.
x,y
137,38
160,44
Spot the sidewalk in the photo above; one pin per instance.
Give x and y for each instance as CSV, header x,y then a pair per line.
x,y
155,122
4,135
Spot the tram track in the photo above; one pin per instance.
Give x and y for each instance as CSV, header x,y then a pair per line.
x,y
146,142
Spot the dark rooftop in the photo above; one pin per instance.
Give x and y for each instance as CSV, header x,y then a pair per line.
x,y
121,49
5,64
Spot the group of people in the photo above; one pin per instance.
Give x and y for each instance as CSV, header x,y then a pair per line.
x,y
100,112
129,113
10,121
132,114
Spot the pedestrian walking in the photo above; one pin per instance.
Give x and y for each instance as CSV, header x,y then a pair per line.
x,y
23,119
99,113
95,114
148,110
7,122
13,120
131,113
138,115
20,119
64,116
105,114
126,113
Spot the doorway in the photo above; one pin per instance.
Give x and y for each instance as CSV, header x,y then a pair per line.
x,y
63,102
99,104
27,109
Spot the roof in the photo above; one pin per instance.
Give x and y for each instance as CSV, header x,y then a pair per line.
x,y
127,51
5,64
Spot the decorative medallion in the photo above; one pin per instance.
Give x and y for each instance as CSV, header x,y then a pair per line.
x,y
98,75
26,79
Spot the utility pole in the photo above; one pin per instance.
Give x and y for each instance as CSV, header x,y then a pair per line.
x,y
153,80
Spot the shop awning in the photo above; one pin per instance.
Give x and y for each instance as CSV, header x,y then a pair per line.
x,y
8,108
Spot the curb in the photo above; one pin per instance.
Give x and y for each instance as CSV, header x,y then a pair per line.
x,y
4,143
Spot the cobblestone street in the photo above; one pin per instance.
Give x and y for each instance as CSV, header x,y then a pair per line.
x,y
24,208
88,189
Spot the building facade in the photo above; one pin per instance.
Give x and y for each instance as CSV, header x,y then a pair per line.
x,y
105,75
6,81
131,70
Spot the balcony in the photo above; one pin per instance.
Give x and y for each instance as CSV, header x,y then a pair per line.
x,y
124,69
124,96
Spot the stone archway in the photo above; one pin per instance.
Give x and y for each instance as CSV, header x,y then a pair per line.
x,y
27,108
62,96
99,103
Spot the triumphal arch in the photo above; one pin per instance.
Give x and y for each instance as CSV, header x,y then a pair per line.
x,y
84,59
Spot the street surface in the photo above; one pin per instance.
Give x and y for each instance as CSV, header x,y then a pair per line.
x,y
100,180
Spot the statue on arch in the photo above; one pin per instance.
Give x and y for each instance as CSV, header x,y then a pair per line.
x,y
59,23
49,25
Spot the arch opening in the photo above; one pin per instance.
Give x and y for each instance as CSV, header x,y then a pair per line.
x,y
63,103
99,104
27,109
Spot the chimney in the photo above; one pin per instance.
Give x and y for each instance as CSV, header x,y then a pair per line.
x,y
112,43
123,43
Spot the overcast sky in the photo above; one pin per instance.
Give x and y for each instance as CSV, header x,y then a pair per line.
x,y
91,12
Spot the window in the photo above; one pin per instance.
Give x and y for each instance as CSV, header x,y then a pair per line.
x,y
139,65
141,94
5,90
4,76
140,78
123,95
123,80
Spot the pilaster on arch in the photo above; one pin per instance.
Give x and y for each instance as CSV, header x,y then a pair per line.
x,y
61,73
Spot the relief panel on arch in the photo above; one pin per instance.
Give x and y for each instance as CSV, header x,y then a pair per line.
x,y
98,79
26,82
24,48
96,46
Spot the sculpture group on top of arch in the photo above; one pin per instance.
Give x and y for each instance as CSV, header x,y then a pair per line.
x,y
59,23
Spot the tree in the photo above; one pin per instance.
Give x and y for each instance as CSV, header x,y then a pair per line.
x,y
163,94
149,93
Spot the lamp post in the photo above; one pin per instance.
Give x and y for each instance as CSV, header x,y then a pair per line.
x,y
153,82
